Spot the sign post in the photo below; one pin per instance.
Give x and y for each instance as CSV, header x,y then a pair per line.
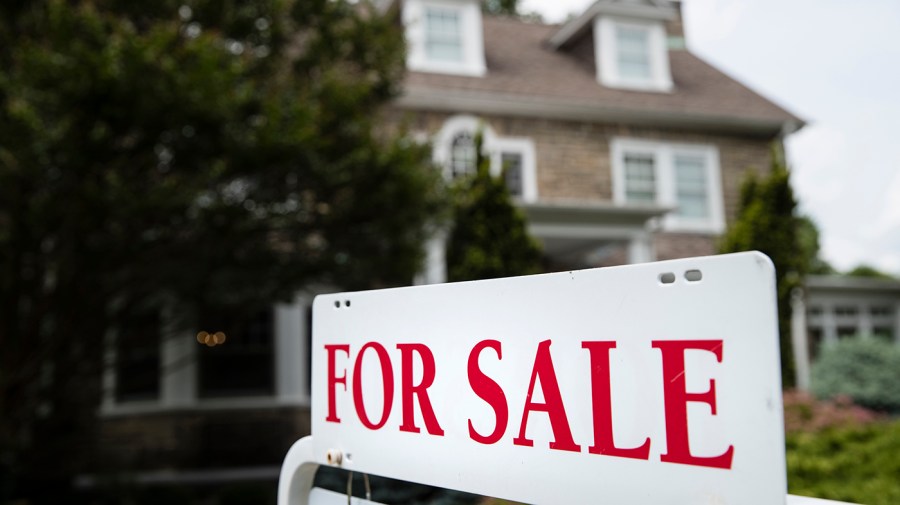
x,y
652,383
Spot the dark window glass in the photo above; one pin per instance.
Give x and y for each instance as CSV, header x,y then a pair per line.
x,y
236,357
137,358
881,311
462,155
846,331
512,172
814,342
846,310
885,333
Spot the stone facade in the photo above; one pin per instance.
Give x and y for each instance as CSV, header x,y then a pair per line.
x,y
201,439
573,162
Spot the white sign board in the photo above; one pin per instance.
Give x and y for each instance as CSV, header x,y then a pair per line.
x,y
624,385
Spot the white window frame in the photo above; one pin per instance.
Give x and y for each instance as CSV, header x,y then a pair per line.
x,y
664,154
493,145
178,369
472,38
607,61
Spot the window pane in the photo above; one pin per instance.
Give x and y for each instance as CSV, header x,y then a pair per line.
x,y
633,52
443,37
885,333
137,358
241,364
640,178
462,155
512,172
691,186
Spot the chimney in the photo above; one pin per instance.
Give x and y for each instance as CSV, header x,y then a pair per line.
x,y
675,29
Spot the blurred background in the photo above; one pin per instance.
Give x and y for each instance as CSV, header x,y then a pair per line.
x,y
179,179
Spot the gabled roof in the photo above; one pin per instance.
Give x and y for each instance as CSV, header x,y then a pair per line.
x,y
661,10
526,76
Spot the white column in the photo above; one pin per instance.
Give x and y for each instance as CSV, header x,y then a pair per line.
x,y
178,364
108,381
864,326
829,325
640,248
178,374
435,271
799,339
290,352
897,323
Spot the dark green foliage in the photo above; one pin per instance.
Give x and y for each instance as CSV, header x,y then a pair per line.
x,y
868,271
865,369
854,464
767,222
489,237
506,7
196,153
808,238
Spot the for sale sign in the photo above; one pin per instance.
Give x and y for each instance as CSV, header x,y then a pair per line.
x,y
654,383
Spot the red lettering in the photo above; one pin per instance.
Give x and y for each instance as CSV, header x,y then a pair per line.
x,y
676,398
387,378
602,405
334,380
553,404
488,390
408,392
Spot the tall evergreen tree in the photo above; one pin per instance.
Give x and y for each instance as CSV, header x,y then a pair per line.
x,y
809,243
489,237
767,221
505,7
211,154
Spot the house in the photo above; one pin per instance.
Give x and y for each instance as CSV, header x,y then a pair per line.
x,y
618,143
833,307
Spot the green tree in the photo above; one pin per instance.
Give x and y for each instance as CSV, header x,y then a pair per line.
x,y
210,154
767,221
808,237
868,271
489,237
505,7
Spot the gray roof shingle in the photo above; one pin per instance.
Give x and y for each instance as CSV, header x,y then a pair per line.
x,y
521,64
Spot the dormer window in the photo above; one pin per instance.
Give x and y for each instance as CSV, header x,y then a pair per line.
x,y
444,36
632,54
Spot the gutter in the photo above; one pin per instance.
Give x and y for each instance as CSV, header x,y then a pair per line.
x,y
553,108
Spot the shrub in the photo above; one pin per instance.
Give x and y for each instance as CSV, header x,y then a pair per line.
x,y
802,412
867,370
855,464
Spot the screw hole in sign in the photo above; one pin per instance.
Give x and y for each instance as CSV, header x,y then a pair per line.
x,y
667,278
337,304
346,303
693,275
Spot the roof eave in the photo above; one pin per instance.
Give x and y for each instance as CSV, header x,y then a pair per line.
x,y
850,283
554,108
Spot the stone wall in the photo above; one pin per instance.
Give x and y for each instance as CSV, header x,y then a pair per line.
x,y
200,439
573,157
